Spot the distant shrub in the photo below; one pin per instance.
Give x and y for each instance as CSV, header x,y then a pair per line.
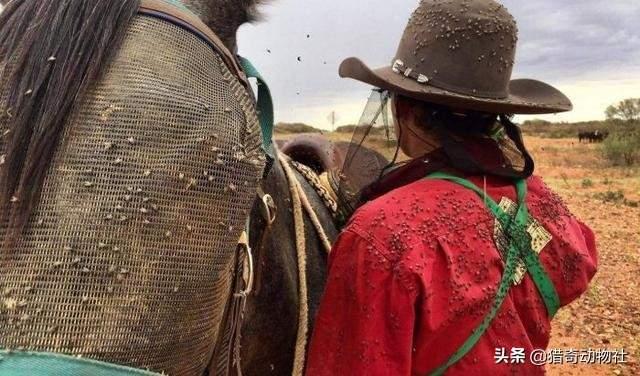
x,y
372,131
284,128
587,183
545,129
536,123
616,197
346,129
610,196
623,148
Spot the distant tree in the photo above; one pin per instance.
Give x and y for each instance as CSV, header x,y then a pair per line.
x,y
536,122
628,110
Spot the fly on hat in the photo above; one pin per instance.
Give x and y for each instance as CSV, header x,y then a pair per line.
x,y
457,56
460,53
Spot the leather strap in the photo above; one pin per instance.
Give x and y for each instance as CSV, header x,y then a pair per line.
x,y
189,21
265,108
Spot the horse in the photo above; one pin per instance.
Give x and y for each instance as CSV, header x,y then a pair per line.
x,y
280,311
58,58
279,314
591,137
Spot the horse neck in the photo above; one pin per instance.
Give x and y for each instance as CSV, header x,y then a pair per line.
x,y
224,17
280,291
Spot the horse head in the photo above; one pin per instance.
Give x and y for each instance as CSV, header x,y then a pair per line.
x,y
225,17
57,88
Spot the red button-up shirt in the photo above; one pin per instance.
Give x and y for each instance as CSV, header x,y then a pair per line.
x,y
416,270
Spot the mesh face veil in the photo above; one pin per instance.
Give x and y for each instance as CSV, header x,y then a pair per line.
x,y
370,151
469,142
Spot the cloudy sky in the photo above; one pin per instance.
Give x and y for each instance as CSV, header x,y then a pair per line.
x,y
589,49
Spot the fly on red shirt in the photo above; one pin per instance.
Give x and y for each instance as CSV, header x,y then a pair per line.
x,y
416,270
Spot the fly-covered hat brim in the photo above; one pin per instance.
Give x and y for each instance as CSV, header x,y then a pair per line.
x,y
525,96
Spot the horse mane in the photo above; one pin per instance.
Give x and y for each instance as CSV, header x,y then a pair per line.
x,y
224,17
50,51
251,9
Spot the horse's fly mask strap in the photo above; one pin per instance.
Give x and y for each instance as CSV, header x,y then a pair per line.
x,y
265,110
179,16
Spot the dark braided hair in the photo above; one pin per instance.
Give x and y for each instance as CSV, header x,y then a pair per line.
x,y
453,128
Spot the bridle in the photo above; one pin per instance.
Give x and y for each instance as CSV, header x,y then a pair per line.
x,y
245,273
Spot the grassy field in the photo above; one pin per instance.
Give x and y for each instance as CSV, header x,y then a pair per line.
x,y
570,130
606,198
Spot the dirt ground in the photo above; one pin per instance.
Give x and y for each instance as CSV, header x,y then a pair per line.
x,y
608,315
605,198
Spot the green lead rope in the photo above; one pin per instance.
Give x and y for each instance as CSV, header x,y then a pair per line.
x,y
265,106
519,247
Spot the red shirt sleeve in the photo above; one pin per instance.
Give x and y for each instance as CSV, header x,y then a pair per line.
x,y
365,324
571,259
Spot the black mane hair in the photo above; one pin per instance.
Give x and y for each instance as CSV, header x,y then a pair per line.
x,y
50,51
224,17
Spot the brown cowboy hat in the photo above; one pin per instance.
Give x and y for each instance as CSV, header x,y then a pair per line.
x,y
460,53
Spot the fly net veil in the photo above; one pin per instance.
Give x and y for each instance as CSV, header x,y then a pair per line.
x,y
467,142
369,153
129,256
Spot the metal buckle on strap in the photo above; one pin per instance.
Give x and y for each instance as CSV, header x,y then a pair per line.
x,y
247,270
268,209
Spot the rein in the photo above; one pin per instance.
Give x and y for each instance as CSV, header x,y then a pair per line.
x,y
300,201
245,270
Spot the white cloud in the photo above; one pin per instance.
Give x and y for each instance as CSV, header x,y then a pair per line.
x,y
591,98
589,49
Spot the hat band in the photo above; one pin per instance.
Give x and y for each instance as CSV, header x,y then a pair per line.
x,y
399,67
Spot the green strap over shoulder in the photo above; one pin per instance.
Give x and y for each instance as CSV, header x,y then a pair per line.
x,y
519,247
265,106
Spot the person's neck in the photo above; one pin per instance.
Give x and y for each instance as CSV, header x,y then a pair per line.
x,y
415,140
417,147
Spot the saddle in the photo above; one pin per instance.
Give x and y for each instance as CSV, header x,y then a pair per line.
x,y
327,161
315,152
316,159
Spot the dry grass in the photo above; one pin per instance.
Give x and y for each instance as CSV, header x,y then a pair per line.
x,y
608,315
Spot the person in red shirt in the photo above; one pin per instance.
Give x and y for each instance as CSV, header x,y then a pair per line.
x,y
456,260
